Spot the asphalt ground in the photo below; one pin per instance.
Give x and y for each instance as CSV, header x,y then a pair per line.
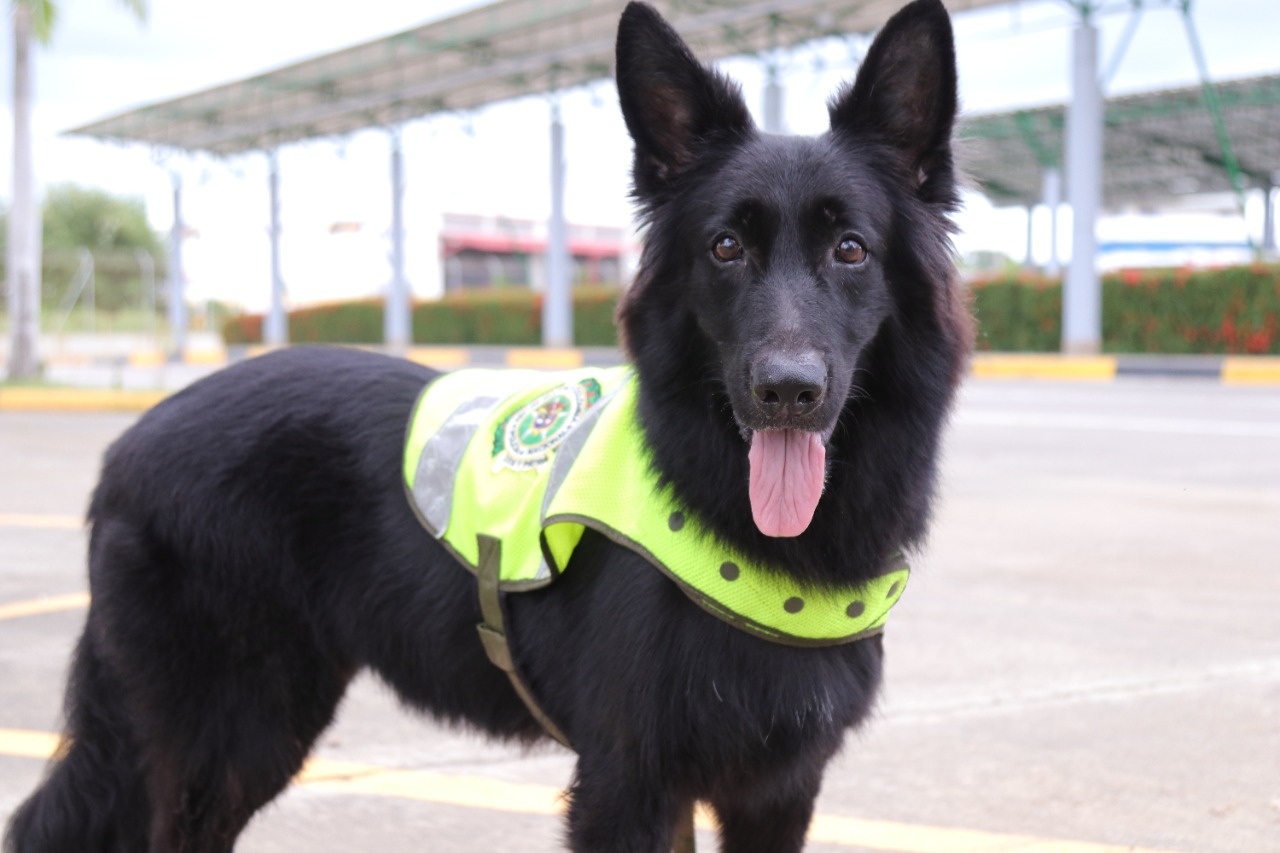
x,y
1087,659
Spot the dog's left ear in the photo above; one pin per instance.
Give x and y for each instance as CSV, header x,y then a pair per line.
x,y
905,95
674,106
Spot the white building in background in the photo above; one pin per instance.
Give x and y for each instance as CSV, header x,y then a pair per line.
x,y
479,252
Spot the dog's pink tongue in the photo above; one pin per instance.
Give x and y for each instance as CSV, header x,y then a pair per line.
x,y
787,471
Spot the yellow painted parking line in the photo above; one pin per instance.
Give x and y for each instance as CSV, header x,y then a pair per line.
x,y
332,770
468,791
1254,370
893,837
40,606
23,743
490,794
41,521
1077,368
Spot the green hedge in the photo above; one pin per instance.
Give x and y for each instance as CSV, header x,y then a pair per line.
x,y
1228,310
512,317
1018,314
1175,311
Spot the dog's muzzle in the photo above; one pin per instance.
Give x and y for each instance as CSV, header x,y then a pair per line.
x,y
787,389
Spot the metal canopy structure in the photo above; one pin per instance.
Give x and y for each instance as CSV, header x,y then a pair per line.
x,y
1158,146
496,52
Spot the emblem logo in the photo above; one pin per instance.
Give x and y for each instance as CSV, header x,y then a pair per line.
x,y
528,437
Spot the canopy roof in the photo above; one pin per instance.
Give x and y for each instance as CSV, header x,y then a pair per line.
x,y
503,50
1157,145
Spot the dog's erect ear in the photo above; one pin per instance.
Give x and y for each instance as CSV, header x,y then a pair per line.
x,y
672,104
905,93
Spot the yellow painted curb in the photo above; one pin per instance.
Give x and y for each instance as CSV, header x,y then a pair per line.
x,y
439,357
1251,370
146,358
157,358
1067,367
71,359
541,358
204,356
78,399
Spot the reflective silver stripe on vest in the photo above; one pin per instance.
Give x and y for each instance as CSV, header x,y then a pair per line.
x,y
438,465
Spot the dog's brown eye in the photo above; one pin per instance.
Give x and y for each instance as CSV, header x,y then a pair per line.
x,y
727,248
850,251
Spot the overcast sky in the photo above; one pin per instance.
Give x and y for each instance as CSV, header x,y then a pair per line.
x,y
495,161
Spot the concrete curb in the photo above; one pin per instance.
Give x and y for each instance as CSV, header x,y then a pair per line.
x,y
1230,370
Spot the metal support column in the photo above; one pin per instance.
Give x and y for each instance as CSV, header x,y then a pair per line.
x,y
557,304
275,332
397,314
22,259
177,286
1082,294
1051,190
773,101
1269,222
1029,258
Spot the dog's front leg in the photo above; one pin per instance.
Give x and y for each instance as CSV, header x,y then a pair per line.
x,y
612,809
767,822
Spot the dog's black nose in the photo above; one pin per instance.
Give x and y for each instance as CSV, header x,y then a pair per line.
x,y
787,384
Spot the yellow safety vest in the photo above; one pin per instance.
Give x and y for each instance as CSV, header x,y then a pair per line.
x,y
531,459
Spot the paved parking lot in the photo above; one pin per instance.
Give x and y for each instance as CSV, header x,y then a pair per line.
x,y
1089,651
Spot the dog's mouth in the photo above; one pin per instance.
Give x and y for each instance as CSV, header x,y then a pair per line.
x,y
788,471
786,413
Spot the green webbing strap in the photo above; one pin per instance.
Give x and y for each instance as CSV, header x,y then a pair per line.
x,y
494,637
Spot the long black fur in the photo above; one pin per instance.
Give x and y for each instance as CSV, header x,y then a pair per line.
x,y
252,548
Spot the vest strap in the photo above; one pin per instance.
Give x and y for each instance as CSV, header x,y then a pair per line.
x,y
493,635
494,639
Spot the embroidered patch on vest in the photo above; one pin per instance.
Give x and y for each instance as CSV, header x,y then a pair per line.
x,y
527,438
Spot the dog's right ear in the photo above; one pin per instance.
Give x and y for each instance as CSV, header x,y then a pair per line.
x,y
673,105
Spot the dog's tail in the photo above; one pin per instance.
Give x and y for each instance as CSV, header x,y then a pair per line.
x,y
92,798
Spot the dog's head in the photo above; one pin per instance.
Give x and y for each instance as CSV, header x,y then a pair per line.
x,y
778,260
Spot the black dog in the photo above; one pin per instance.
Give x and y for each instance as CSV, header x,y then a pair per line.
x,y
252,548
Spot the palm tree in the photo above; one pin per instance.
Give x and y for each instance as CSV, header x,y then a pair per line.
x,y
30,18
